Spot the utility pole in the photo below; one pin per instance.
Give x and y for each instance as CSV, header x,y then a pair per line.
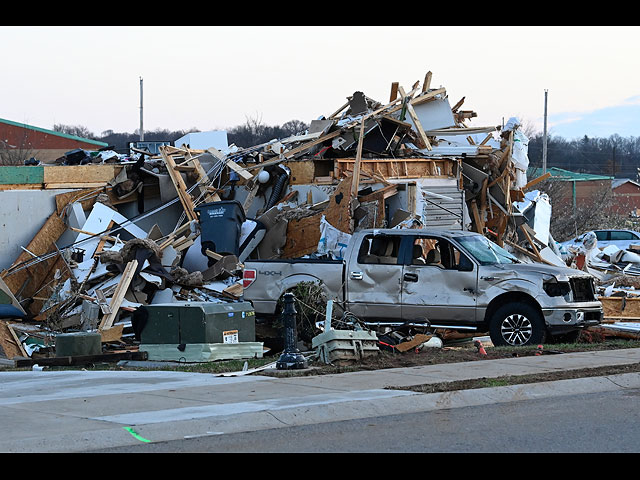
x,y
141,128
544,138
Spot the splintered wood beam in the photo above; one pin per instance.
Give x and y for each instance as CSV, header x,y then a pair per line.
x,y
486,139
295,151
531,243
179,184
239,170
457,105
394,91
345,105
535,181
118,295
355,182
416,120
427,82
476,217
428,96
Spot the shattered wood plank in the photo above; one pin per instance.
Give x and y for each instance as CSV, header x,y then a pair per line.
x,y
10,345
426,97
345,105
535,181
524,229
457,105
417,340
173,235
25,282
239,170
234,289
112,334
476,217
180,185
252,194
355,182
394,91
416,120
119,294
183,245
384,192
339,213
426,85
302,236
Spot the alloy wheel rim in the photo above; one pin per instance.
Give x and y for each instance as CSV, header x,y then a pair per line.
x,y
516,329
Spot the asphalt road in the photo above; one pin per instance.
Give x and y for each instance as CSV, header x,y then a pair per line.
x,y
602,422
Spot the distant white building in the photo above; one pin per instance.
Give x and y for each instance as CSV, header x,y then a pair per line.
x,y
203,140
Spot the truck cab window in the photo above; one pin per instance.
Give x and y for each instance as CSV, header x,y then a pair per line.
x,y
379,249
435,252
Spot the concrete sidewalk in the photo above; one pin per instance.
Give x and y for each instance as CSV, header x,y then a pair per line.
x,y
73,411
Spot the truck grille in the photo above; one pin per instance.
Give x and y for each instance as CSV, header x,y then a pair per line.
x,y
582,288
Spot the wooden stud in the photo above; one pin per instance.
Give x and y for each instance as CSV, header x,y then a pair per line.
x,y
416,120
533,245
118,295
427,82
535,181
178,182
394,91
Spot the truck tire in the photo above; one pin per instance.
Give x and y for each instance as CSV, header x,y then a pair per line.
x,y
517,324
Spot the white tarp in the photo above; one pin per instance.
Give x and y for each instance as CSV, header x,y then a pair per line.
x,y
520,151
332,241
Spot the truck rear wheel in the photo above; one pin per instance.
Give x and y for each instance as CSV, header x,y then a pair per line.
x,y
516,324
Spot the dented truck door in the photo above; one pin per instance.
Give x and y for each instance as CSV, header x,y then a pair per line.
x,y
373,277
439,282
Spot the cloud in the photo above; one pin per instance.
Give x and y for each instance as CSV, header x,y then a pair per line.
x,y
622,119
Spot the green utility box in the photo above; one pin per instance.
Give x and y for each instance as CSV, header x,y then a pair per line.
x,y
199,323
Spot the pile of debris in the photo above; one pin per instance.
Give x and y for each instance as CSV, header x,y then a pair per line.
x,y
409,162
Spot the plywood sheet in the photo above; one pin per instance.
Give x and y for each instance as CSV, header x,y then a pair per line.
x,y
80,173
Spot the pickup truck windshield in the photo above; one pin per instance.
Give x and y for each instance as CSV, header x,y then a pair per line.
x,y
485,251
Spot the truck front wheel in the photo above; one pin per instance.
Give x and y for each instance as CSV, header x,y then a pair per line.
x,y
517,324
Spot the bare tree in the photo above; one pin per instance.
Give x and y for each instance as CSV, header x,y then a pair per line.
x,y
569,220
15,154
76,130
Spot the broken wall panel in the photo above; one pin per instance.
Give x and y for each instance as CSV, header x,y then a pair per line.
x,y
24,282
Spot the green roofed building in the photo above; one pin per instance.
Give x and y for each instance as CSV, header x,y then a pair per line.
x,y
19,142
581,188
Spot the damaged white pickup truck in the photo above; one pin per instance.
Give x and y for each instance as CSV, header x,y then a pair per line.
x,y
451,279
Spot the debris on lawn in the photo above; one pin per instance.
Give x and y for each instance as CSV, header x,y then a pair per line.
x,y
147,234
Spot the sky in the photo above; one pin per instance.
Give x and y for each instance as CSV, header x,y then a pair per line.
x,y
218,77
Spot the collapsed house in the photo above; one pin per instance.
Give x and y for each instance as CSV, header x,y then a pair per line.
x,y
175,228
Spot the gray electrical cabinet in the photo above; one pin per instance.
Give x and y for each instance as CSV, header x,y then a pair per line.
x,y
199,323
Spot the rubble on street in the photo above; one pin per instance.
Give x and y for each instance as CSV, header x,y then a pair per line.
x,y
410,161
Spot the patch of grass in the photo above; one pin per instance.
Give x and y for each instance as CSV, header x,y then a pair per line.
x,y
522,379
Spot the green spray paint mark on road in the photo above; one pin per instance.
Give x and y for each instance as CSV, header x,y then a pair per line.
x,y
135,434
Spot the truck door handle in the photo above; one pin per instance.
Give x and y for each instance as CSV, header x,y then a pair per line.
x,y
488,279
410,277
356,275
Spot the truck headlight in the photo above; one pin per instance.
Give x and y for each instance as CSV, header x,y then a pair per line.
x,y
557,289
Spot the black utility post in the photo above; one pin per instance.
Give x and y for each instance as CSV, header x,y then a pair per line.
x,y
290,358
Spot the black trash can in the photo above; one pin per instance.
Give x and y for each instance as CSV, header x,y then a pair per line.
x,y
220,226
